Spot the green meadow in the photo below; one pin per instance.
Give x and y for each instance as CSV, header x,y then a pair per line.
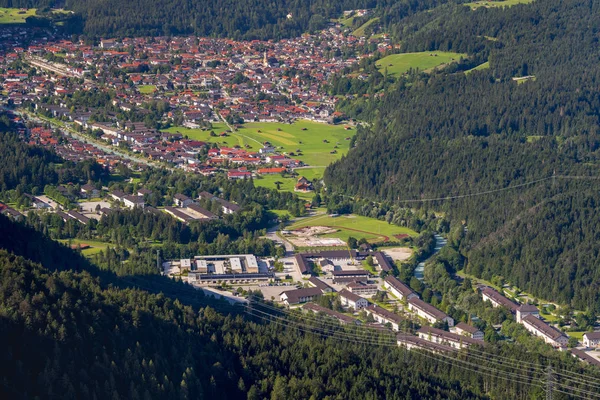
x,y
361,30
315,141
372,229
146,89
493,4
398,64
15,15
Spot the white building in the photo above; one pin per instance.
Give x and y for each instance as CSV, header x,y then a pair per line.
x,y
591,339
398,289
548,333
352,300
448,338
429,312
384,316
134,201
467,330
525,310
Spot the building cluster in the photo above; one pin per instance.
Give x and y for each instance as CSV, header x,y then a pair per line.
x,y
199,81
233,269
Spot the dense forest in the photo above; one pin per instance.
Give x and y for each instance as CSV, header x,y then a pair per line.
x,y
102,336
448,133
253,19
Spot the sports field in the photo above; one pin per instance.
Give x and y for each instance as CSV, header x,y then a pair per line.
x,y
15,15
356,226
315,141
491,4
397,64
146,89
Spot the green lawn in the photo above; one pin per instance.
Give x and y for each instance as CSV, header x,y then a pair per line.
x,y
356,226
287,185
146,89
315,152
576,335
361,30
490,4
95,246
397,64
15,15
485,65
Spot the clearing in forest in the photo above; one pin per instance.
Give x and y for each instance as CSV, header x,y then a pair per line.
x,y
398,64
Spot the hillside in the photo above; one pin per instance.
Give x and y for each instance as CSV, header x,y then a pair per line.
x,y
447,133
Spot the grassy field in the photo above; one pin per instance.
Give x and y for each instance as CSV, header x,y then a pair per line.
x,y
400,63
361,30
491,4
485,65
95,246
146,89
356,226
287,185
289,138
15,15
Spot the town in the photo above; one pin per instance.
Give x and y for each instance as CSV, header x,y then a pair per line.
x,y
237,117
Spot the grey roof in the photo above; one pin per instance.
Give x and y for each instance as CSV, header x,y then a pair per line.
x,y
294,296
383,262
428,308
448,336
339,316
399,285
543,327
316,282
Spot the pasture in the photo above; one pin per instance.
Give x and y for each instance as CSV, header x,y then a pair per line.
x,y
494,4
398,64
485,65
316,141
15,15
356,226
361,30
287,185
95,246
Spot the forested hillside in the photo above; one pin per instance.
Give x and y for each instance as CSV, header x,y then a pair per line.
x,y
447,133
98,337
252,19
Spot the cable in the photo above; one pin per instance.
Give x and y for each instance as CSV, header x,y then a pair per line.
x,y
478,354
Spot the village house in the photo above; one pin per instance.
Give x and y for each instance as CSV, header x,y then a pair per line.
x,y
415,342
181,200
291,297
342,318
591,339
497,300
133,201
316,282
467,330
525,310
352,300
429,312
541,329
362,289
448,338
89,191
398,289
383,262
384,316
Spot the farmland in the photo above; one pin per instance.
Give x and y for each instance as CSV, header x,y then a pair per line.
x,y
398,64
485,65
316,141
287,184
15,15
494,4
95,246
356,226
